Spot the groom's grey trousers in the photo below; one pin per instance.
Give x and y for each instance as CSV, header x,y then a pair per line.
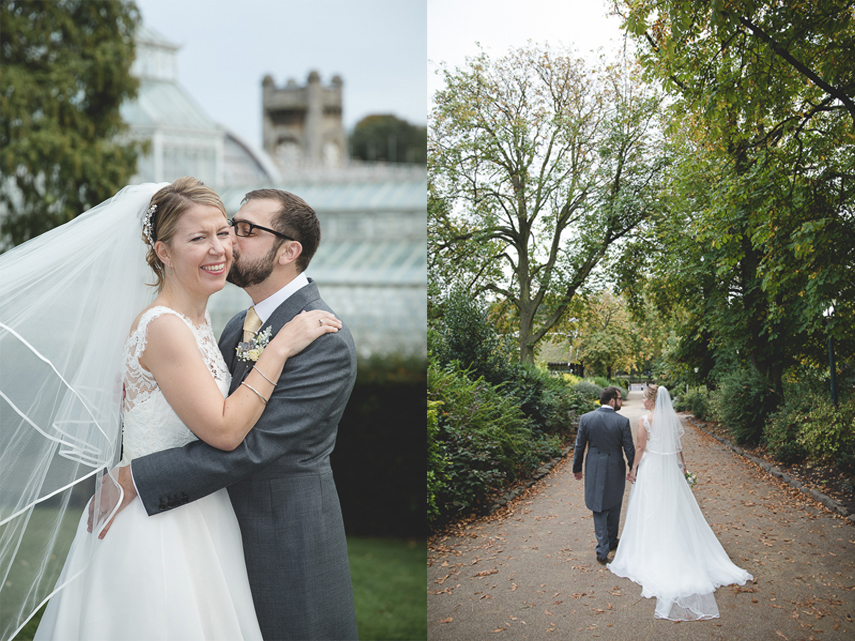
x,y
605,433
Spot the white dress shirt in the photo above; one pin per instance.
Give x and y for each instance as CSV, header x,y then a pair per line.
x,y
266,307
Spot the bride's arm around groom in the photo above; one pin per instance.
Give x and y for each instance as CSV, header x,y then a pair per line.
x,y
279,477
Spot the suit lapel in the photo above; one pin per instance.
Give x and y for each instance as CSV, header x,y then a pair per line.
x,y
236,366
292,306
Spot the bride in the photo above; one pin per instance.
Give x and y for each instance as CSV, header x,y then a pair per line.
x,y
181,574
667,546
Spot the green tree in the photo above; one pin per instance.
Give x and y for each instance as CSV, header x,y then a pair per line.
x,y
544,165
761,234
390,139
605,340
65,72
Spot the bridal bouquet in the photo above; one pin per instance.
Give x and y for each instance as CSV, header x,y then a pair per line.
x,y
691,478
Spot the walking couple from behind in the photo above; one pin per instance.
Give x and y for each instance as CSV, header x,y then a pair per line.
x,y
667,546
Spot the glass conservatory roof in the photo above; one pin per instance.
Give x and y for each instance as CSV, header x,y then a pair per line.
x,y
164,103
370,262
353,196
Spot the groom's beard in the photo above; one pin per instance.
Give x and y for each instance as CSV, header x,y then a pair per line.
x,y
246,274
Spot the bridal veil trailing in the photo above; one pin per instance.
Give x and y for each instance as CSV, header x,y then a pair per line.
x,y
67,301
666,545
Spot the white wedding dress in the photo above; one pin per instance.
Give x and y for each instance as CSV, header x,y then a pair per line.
x,y
667,546
178,575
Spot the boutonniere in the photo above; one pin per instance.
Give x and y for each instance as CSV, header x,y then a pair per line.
x,y
251,351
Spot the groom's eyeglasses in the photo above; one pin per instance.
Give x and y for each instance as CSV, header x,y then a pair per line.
x,y
244,228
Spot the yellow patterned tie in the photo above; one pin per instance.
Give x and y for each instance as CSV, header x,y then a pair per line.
x,y
250,324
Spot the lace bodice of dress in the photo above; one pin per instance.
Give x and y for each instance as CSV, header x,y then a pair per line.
x,y
149,422
647,425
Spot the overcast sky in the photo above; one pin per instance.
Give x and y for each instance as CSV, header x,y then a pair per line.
x,y
454,27
378,47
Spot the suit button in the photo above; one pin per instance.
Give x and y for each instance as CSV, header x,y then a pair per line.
x,y
185,500
171,504
162,507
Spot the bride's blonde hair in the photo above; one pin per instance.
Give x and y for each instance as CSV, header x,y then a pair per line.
x,y
650,392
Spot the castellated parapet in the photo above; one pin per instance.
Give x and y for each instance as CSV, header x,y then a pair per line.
x,y
302,125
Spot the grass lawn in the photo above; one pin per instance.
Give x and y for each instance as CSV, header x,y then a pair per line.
x,y
389,578
388,586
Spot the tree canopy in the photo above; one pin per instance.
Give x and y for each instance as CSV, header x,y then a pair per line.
x,y
65,72
760,235
537,167
388,138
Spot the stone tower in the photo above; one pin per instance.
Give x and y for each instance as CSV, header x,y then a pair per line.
x,y
302,125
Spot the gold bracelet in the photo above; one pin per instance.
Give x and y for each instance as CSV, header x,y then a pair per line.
x,y
263,376
263,400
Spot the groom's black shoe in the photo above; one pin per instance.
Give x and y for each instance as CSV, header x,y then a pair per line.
x,y
602,560
614,545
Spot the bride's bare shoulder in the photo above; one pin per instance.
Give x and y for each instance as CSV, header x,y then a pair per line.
x,y
168,315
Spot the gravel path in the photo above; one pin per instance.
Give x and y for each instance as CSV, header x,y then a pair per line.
x,y
531,572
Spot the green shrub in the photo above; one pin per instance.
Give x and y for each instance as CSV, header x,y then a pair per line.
x,y
783,428
828,435
482,438
436,462
551,404
465,333
588,390
742,402
570,379
602,381
696,402
381,436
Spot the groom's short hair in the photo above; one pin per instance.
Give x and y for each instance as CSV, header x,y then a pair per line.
x,y
295,219
608,394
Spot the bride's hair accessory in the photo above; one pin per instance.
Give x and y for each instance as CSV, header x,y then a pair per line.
x,y
252,350
147,224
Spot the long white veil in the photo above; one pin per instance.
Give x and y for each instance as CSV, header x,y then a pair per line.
x,y
666,429
67,301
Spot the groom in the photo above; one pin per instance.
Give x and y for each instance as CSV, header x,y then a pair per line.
x,y
279,478
604,432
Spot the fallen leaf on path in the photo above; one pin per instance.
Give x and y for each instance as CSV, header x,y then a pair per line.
x,y
448,620
485,573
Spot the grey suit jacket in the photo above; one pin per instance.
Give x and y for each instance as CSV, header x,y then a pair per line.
x,y
280,483
604,432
